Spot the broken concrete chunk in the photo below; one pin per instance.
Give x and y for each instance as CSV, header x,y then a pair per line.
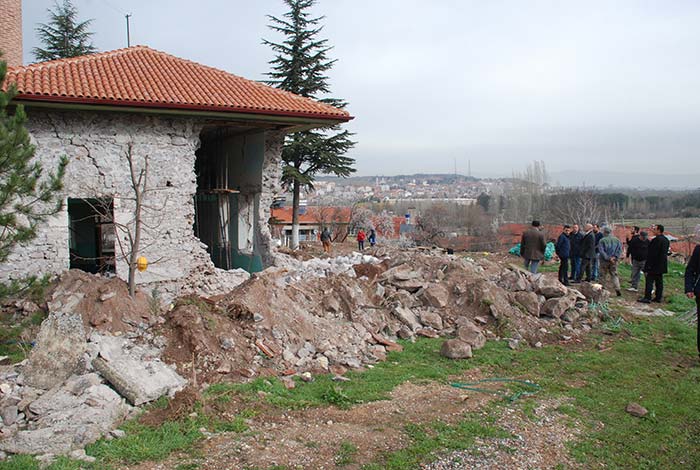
x,y
557,306
138,380
407,317
436,295
529,301
456,349
469,333
59,351
550,288
431,320
70,422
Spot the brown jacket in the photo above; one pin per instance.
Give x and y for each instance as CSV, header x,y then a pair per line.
x,y
533,244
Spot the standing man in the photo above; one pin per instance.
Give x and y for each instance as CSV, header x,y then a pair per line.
x,y
596,261
532,246
637,248
563,249
587,253
656,266
576,239
692,280
326,240
610,251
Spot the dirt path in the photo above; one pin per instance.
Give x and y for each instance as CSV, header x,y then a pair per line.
x,y
314,438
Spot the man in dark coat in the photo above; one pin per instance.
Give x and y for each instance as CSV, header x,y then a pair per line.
x,y
563,250
576,238
637,248
532,246
692,280
587,253
598,235
656,266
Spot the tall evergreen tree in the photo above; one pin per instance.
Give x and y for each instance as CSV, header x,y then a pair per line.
x,y
63,36
300,66
26,199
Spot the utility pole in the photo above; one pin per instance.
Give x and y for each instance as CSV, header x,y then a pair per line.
x,y
128,35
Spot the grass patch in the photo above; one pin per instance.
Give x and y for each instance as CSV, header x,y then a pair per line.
x,y
428,440
346,454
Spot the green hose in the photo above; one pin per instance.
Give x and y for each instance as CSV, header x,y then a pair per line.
x,y
472,386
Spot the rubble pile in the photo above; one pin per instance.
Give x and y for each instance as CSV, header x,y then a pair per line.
x,y
100,354
92,362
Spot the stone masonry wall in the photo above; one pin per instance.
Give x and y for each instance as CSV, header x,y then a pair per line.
x,y
96,145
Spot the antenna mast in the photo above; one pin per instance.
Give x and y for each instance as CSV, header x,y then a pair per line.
x,y
128,35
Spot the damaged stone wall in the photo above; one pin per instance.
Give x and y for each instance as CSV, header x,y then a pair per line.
x,y
96,144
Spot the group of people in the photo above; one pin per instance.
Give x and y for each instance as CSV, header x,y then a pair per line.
x,y
593,254
362,236
597,253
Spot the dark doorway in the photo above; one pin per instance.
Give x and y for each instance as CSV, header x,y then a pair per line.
x,y
92,236
229,180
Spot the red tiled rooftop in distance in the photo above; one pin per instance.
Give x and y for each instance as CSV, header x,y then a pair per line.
x,y
141,76
313,215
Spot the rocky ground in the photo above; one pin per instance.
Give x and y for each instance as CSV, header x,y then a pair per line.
x,y
100,353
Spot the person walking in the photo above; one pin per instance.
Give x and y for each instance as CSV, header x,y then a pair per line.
x,y
595,270
656,266
563,250
609,253
361,239
587,253
326,240
692,281
532,246
576,238
637,248
372,237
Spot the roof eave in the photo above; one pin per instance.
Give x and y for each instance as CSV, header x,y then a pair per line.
x,y
298,121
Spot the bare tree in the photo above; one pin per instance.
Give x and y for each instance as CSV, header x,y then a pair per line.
x,y
384,224
575,206
145,218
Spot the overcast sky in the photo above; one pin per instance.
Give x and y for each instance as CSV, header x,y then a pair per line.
x,y
607,85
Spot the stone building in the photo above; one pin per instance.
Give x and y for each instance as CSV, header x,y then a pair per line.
x,y
209,143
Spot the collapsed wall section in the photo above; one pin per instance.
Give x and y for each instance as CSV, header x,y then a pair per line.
x,y
98,145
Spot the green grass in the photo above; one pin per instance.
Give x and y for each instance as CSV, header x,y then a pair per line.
x,y
13,342
346,454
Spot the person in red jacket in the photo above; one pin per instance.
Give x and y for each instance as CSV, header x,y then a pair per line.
x,y
361,236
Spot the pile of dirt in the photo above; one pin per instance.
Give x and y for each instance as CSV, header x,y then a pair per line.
x,y
104,303
333,314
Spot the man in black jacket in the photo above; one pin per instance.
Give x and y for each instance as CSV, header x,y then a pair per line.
x,y
576,237
656,266
563,250
637,248
692,280
588,253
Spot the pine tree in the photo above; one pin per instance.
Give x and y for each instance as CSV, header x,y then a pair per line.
x,y
300,67
26,199
63,36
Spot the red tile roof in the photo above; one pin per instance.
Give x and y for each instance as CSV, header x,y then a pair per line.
x,y
312,215
143,77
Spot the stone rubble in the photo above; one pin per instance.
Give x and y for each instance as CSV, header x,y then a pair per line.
x,y
324,315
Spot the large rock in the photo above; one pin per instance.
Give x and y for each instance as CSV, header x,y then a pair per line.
x,y
58,353
557,306
67,421
515,281
550,288
407,317
436,295
431,319
456,349
134,372
529,301
469,333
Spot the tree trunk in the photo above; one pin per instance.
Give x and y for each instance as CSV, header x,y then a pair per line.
x,y
295,216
